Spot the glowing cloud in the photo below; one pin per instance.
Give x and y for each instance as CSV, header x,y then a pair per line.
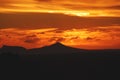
x,y
69,7
85,24
87,38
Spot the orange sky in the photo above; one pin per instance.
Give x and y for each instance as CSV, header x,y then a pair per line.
x,y
87,24
90,38
68,7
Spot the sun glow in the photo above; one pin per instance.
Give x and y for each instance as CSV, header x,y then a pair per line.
x,y
84,13
84,24
79,8
77,13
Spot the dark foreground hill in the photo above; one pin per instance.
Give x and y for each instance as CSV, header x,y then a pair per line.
x,y
55,49
57,58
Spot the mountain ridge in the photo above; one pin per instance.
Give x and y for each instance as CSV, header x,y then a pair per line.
x,y
57,48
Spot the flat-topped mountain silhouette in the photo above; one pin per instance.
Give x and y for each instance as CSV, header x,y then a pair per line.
x,y
12,49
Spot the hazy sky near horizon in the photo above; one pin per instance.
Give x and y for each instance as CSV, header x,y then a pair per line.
x,y
85,24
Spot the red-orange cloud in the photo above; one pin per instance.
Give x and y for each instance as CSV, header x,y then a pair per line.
x,y
69,7
86,38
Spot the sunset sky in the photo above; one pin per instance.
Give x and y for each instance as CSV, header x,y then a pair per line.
x,y
87,24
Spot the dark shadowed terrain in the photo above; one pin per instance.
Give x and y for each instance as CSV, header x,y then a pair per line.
x,y
63,60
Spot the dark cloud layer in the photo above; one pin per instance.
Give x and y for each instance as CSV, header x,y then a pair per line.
x,y
82,7
43,0
45,20
114,7
31,39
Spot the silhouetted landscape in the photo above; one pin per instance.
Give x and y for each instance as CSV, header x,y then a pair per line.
x,y
60,58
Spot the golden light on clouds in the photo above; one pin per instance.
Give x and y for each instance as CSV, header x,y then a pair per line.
x,y
90,38
67,7
88,24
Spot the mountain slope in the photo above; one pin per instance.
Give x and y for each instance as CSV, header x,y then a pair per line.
x,y
56,48
13,49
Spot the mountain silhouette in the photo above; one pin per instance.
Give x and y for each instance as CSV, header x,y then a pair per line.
x,y
64,59
12,49
57,48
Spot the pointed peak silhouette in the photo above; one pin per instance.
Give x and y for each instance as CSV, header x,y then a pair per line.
x,y
57,44
57,48
61,46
